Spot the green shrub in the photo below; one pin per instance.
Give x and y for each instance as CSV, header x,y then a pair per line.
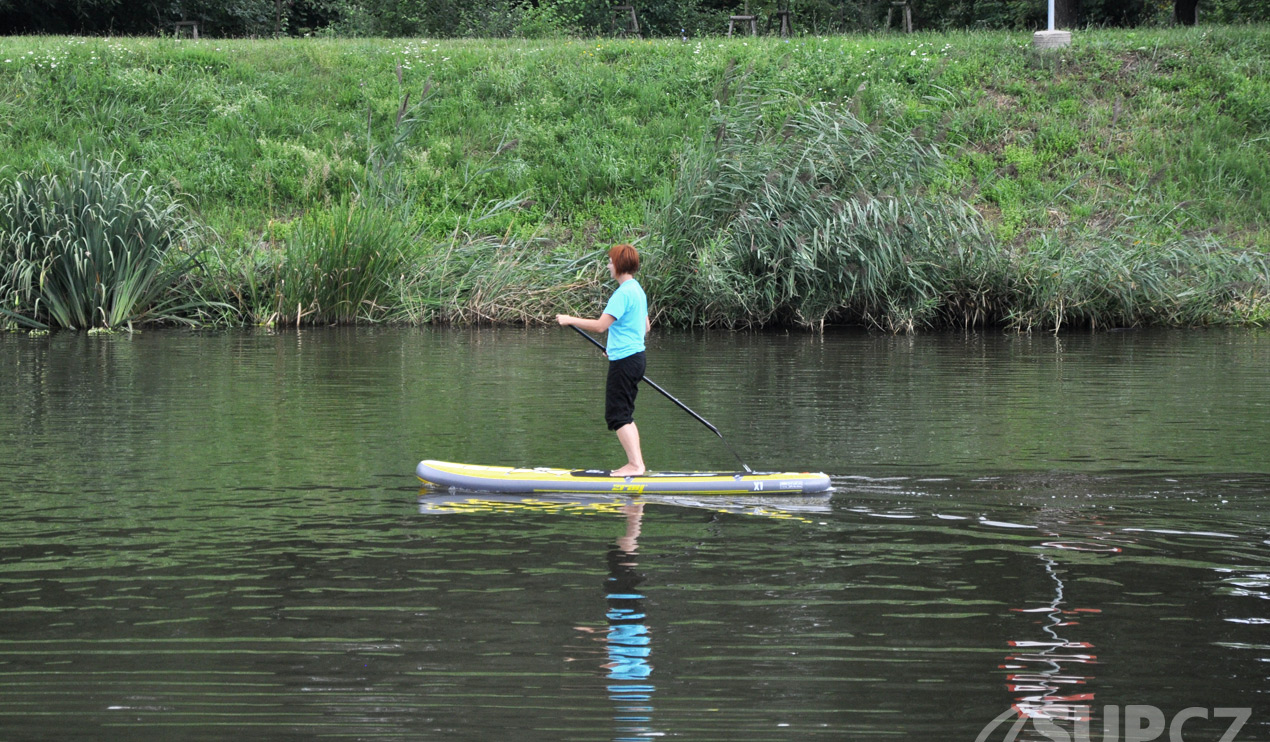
x,y
95,248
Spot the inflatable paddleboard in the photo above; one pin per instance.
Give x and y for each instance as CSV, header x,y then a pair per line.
x,y
514,480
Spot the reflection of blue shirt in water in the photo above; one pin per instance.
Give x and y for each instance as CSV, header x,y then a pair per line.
x,y
629,645
628,648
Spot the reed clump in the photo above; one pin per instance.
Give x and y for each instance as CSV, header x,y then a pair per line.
x,y
339,264
333,265
812,217
96,247
1117,279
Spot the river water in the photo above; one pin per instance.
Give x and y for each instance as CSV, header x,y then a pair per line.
x,y
1030,537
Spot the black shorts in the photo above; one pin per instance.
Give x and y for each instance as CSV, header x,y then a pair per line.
x,y
621,388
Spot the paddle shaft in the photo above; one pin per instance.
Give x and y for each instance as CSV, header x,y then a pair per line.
x,y
672,398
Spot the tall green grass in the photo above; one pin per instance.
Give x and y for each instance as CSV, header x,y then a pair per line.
x,y
472,278
1099,280
807,217
95,248
369,259
338,265
334,265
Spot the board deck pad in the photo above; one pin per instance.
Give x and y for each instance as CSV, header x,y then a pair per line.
x,y
507,479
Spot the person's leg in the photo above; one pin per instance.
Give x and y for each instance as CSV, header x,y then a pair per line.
x,y
628,436
619,408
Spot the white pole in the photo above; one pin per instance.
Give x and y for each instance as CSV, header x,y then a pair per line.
x,y
1051,39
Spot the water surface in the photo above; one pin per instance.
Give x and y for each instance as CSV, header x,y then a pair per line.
x,y
216,534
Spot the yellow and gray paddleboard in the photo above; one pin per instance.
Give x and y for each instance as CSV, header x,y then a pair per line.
x,y
513,480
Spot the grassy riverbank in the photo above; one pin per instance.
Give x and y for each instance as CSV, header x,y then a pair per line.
x,y
1097,182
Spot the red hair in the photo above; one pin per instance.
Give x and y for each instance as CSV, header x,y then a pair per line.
x,y
625,259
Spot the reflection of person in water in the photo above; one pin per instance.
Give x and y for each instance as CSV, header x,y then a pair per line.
x,y
629,642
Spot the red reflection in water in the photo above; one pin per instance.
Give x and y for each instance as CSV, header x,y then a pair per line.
x,y
1048,676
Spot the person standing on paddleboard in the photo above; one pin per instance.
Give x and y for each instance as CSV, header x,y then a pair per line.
x,y
625,319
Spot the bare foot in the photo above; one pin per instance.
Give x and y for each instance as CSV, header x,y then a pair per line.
x,y
627,471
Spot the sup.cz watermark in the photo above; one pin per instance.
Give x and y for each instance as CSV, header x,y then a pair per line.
x,y
1135,724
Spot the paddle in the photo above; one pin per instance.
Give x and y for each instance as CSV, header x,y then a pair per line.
x,y
681,405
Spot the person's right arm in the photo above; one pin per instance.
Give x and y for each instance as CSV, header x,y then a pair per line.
x,y
587,325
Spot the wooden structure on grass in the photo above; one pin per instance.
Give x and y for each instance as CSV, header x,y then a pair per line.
x,y
785,17
745,17
782,15
625,19
906,14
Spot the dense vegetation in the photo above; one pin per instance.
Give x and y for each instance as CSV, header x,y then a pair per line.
x,y
554,18
897,181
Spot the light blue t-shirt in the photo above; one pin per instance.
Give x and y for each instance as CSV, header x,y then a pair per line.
x,y
629,306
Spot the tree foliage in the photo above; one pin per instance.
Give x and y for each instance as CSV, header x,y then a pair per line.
x,y
540,18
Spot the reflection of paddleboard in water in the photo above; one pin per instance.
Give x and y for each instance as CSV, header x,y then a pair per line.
x,y
772,507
